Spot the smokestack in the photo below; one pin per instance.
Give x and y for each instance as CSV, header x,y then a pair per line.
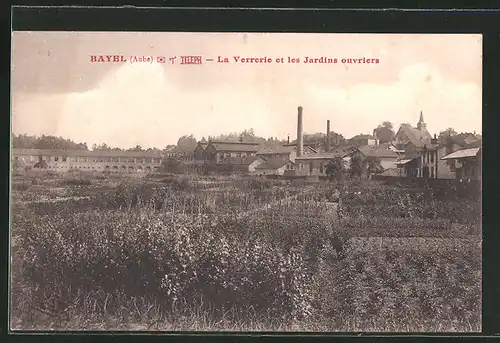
x,y
288,139
327,145
300,143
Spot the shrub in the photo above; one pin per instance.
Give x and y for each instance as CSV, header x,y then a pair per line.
x,y
78,182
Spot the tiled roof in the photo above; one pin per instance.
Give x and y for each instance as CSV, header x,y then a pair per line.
x,y
380,151
243,160
362,136
417,137
463,153
235,146
273,163
86,153
327,155
476,144
276,150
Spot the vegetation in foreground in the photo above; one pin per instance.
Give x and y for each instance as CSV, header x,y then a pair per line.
x,y
178,255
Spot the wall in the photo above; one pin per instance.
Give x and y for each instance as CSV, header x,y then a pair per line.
x,y
279,171
93,164
388,163
445,170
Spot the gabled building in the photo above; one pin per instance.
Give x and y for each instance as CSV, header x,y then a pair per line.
x,y
114,161
315,164
216,151
241,165
199,151
362,140
427,162
467,163
418,136
274,166
281,152
382,152
465,139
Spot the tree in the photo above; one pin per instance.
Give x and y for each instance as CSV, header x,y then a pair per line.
x,y
446,135
186,143
357,167
335,169
374,165
101,147
384,132
136,148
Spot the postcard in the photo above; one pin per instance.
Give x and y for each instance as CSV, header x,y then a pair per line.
x,y
293,182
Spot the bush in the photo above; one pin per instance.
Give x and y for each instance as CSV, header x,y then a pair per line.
x,y
78,182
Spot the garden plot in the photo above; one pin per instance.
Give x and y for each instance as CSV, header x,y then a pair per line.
x,y
367,244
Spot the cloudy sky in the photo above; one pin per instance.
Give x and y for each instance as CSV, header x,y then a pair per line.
x,y
56,90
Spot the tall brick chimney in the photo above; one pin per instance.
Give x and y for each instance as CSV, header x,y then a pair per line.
x,y
327,138
300,142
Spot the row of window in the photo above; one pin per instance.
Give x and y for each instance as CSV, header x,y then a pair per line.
x,y
106,168
428,156
85,159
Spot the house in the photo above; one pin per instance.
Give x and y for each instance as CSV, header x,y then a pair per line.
x,y
427,162
115,161
315,164
274,166
382,152
362,140
239,164
468,163
216,151
282,152
418,136
308,148
465,139
199,151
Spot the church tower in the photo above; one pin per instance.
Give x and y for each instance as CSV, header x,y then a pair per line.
x,y
421,125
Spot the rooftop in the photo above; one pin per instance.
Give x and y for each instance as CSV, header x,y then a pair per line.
x,y
235,146
273,163
380,151
242,161
417,137
87,153
463,153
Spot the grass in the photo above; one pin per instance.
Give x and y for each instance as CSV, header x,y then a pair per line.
x,y
180,254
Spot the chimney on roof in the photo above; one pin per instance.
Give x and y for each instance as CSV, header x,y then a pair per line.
x,y
327,143
434,140
288,139
300,142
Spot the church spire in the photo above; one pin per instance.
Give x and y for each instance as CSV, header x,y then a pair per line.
x,y
421,124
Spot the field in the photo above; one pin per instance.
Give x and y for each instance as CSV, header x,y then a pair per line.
x,y
206,253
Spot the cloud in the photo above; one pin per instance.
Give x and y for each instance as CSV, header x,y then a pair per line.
x,y
419,87
153,105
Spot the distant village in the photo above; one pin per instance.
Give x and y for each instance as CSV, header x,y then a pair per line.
x,y
411,152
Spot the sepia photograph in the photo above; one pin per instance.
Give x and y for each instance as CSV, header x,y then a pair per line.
x,y
267,182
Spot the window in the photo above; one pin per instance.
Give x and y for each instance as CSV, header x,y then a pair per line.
x,y
432,172
64,159
321,168
432,157
56,158
238,154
